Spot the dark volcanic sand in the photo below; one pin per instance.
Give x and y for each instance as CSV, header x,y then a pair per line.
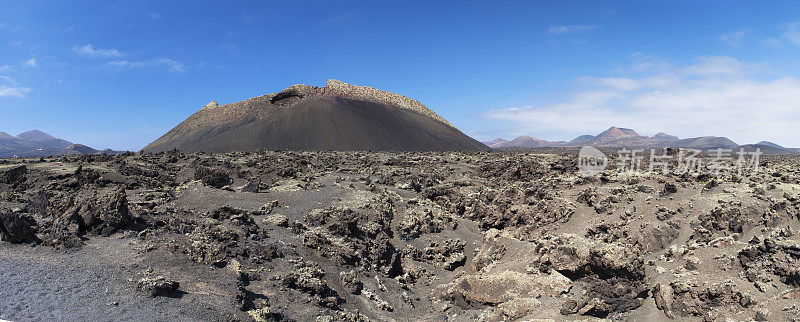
x,y
92,284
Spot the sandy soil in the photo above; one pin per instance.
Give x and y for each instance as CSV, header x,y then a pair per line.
x,y
94,283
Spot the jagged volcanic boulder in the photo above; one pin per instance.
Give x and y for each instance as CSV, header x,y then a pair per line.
x,y
13,174
17,228
338,116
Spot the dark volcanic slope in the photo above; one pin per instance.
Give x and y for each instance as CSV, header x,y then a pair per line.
x,y
705,142
336,117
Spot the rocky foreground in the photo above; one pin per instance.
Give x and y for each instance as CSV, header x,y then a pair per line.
x,y
393,236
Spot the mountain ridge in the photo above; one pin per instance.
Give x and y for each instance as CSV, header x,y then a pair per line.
x,y
35,143
628,138
768,143
35,135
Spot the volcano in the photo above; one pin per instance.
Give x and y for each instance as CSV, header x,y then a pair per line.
x,y
339,116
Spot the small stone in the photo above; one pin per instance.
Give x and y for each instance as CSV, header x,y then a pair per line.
x,y
350,282
215,178
726,241
692,263
277,220
158,285
251,186
569,307
265,314
762,314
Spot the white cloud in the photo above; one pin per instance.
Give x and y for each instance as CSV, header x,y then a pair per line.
x,y
171,64
9,88
560,30
89,50
734,38
720,66
120,64
6,91
791,32
713,96
30,62
154,15
773,42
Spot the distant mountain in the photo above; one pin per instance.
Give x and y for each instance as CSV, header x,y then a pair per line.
x,y
527,141
663,137
520,142
705,142
622,137
767,143
82,149
31,143
764,148
612,137
496,143
37,144
616,137
614,133
41,140
581,140
8,142
35,135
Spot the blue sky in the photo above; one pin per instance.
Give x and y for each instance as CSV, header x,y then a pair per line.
x,y
119,74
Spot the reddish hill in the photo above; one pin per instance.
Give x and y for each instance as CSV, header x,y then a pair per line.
x,y
520,142
496,143
614,133
527,141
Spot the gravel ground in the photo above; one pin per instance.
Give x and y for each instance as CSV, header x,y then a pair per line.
x,y
43,285
351,236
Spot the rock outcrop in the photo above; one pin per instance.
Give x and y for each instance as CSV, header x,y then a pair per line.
x,y
13,174
17,228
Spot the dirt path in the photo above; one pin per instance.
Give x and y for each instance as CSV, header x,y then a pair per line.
x,y
45,285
